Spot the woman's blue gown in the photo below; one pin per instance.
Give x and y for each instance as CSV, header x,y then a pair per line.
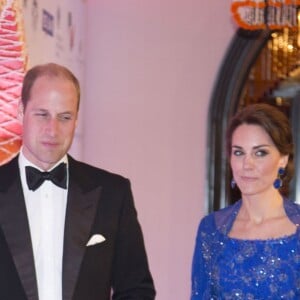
x,y
229,268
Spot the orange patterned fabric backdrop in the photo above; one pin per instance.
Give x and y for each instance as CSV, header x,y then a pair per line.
x,y
12,68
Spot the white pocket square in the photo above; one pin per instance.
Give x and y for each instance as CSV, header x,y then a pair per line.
x,y
95,239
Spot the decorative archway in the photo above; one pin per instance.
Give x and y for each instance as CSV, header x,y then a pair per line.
x,y
260,66
242,52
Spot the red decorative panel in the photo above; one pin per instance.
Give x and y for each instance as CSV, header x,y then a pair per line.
x,y
12,68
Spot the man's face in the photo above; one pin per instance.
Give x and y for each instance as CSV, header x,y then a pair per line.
x,y
49,121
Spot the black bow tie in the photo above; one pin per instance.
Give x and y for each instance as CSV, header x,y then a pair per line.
x,y
35,177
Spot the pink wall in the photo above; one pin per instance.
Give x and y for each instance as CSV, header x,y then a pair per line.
x,y
151,67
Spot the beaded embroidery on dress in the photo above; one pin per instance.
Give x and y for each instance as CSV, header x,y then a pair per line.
x,y
229,268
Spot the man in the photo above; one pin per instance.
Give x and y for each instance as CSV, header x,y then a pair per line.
x,y
74,236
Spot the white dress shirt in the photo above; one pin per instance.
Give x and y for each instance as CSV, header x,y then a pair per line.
x,y
46,209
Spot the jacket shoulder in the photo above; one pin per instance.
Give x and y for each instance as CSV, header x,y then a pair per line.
x,y
90,176
9,173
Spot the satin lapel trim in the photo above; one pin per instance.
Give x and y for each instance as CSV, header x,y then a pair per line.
x,y
14,222
81,210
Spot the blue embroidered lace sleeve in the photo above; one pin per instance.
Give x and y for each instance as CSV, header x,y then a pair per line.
x,y
228,268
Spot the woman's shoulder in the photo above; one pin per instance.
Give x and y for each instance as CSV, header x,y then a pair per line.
x,y
292,210
222,215
221,219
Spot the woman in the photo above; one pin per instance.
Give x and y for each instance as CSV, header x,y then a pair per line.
x,y
251,249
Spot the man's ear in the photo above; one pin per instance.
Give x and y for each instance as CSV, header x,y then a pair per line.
x,y
20,111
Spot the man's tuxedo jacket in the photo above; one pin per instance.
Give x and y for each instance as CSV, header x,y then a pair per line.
x,y
98,203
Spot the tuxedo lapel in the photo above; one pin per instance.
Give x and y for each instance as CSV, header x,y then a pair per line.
x,y
14,223
81,208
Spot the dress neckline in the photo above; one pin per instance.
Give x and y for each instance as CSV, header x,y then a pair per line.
x,y
289,213
276,240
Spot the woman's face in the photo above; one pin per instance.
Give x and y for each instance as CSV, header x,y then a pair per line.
x,y
254,159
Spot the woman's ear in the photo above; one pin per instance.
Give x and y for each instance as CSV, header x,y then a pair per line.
x,y
284,161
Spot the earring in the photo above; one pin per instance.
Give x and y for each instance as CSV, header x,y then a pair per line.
x,y
278,181
232,183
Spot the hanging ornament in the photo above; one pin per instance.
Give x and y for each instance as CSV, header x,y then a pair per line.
x,y
265,14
